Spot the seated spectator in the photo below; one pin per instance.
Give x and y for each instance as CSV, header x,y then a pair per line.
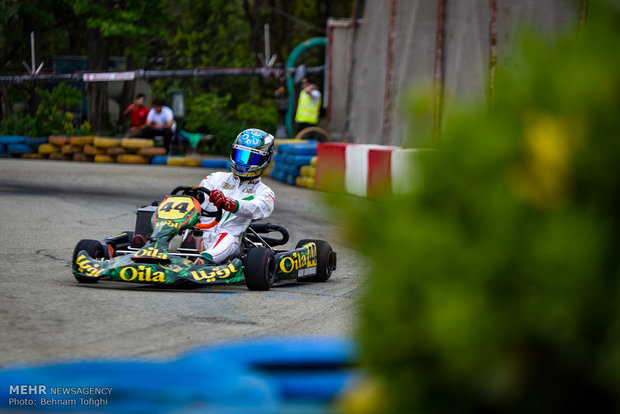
x,y
159,122
138,112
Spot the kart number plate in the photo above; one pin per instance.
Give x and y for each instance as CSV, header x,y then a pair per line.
x,y
175,208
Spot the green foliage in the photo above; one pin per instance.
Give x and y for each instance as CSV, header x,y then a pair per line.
x,y
258,116
131,22
495,288
18,124
213,33
164,34
207,110
213,114
47,18
209,114
54,115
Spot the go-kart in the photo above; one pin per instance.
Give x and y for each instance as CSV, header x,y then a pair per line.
x,y
143,255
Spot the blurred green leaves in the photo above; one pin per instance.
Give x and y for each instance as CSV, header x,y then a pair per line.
x,y
216,115
496,288
54,115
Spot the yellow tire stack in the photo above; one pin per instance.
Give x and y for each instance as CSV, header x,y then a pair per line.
x,y
100,149
76,148
184,161
307,175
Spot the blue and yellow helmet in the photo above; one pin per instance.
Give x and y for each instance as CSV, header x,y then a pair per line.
x,y
251,153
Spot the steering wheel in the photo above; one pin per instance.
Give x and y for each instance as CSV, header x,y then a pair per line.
x,y
201,194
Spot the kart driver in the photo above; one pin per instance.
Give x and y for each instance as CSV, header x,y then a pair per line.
x,y
242,195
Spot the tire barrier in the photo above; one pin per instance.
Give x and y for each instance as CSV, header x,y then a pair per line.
x,y
408,169
152,151
137,143
330,169
113,151
308,171
159,160
315,133
367,170
102,150
220,164
131,159
58,156
300,160
370,171
364,170
258,375
290,160
70,149
184,161
34,142
33,156
307,174
80,141
81,157
17,145
105,142
12,139
59,140
18,149
104,158
92,150
48,149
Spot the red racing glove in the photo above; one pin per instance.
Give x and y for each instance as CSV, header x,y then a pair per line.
x,y
218,198
230,205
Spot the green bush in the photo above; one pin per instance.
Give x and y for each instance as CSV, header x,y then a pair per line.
x,y
207,114
55,104
206,111
258,116
210,113
496,288
53,115
18,124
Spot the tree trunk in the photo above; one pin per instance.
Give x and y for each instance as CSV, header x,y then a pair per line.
x,y
127,94
97,92
252,15
7,106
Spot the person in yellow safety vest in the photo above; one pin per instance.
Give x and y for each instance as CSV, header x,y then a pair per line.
x,y
308,106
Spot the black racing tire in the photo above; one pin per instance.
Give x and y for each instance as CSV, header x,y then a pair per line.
x,y
95,249
117,242
260,268
326,260
314,132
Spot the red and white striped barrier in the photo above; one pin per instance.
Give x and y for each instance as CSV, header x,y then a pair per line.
x,y
368,170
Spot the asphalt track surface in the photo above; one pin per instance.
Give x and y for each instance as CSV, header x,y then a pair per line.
x,y
46,207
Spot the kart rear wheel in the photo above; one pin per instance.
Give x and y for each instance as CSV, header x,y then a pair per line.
x,y
326,260
95,250
260,268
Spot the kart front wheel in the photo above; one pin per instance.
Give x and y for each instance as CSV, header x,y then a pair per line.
x,y
260,269
326,260
95,250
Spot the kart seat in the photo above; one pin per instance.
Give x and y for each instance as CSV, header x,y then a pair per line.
x,y
256,229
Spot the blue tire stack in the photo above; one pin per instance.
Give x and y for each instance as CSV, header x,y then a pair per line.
x,y
18,146
12,144
289,159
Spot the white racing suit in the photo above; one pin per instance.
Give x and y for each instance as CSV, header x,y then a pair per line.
x,y
256,201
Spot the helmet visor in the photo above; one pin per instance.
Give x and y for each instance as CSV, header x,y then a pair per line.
x,y
248,156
